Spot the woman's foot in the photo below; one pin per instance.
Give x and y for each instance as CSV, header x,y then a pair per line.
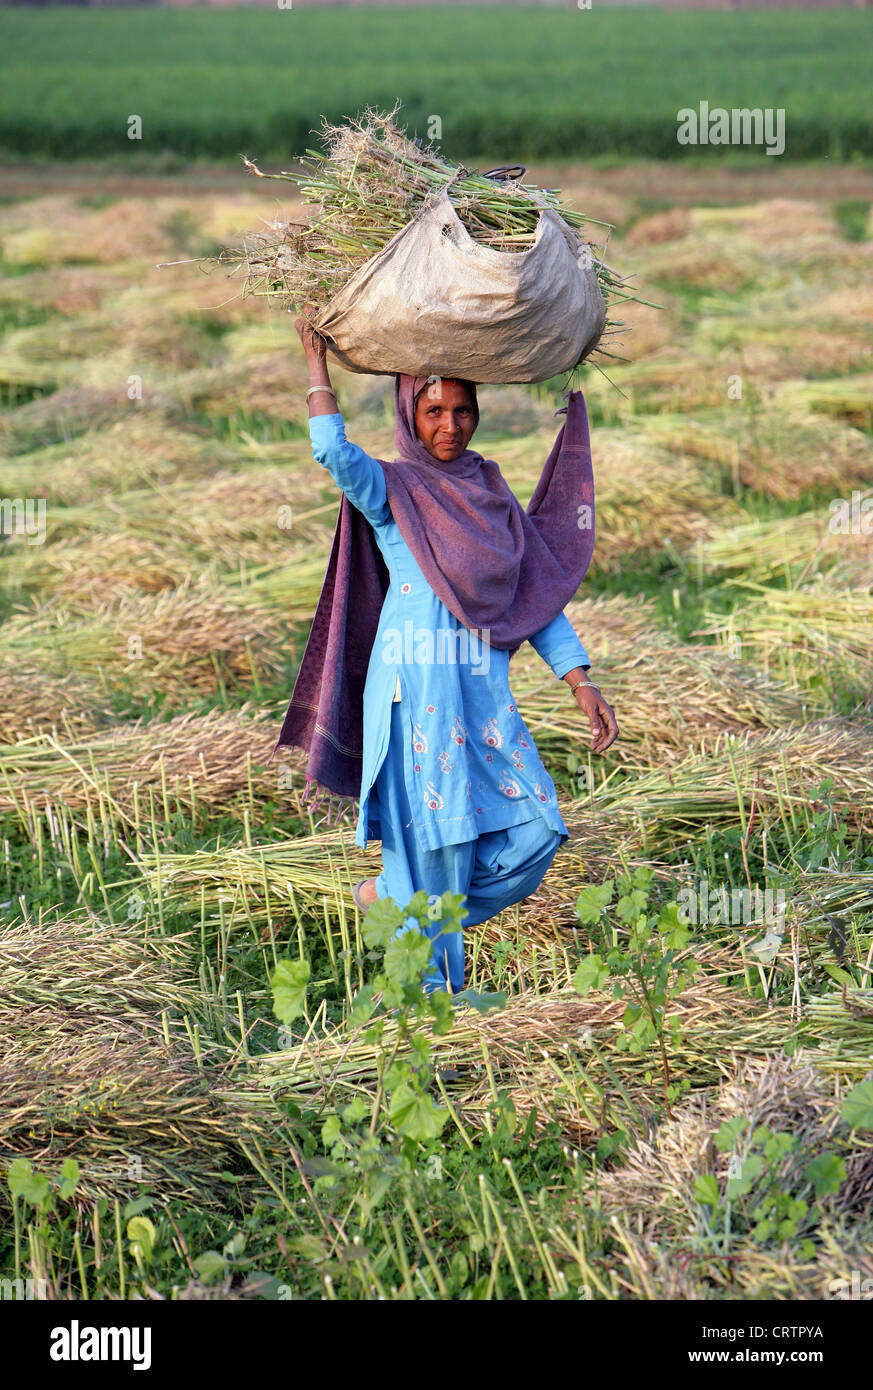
x,y
365,893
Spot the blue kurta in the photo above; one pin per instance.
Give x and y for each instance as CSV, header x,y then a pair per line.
x,y
474,766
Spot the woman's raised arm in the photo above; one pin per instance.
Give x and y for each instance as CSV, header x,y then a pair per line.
x,y
360,477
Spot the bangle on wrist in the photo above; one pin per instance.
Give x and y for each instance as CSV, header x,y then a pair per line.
x,y
312,390
576,685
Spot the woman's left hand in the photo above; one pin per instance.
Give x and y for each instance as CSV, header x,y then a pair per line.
x,y
604,728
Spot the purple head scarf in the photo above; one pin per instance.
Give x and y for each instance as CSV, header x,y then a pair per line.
x,y
502,570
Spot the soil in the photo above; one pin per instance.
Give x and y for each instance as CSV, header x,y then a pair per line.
x,y
652,182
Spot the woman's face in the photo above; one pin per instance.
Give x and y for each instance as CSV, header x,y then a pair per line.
x,y
444,418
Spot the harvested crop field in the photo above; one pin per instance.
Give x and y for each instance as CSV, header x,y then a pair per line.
x,y
163,1133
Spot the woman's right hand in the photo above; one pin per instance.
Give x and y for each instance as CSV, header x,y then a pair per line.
x,y
315,348
313,343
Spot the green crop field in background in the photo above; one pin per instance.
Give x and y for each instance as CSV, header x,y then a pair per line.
x,y
518,83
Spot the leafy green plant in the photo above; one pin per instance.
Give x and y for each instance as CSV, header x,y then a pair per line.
x,y
38,1191
142,1238
387,1138
642,955
825,837
772,1191
857,1105
396,938
41,1200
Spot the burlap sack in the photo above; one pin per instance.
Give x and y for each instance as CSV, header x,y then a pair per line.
x,y
435,302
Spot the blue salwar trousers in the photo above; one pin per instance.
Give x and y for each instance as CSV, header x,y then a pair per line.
x,y
499,868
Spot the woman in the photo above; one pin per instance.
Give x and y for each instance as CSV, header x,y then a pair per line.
x,y
436,577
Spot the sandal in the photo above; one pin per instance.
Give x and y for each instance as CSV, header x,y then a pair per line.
x,y
362,907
